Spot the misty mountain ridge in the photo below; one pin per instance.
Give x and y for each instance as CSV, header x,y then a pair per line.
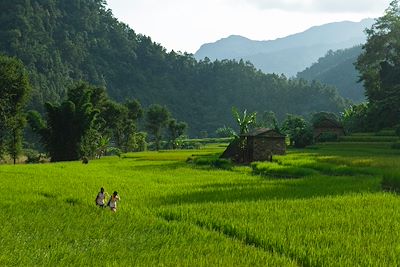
x,y
291,54
63,41
337,69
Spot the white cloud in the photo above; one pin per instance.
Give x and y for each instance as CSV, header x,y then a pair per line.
x,y
187,24
329,6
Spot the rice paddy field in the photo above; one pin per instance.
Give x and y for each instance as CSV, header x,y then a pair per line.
x,y
322,206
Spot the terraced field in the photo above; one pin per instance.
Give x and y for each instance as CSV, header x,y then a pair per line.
x,y
319,206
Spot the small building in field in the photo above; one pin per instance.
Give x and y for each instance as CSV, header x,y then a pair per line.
x,y
257,145
328,127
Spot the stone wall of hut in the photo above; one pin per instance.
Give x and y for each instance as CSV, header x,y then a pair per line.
x,y
262,147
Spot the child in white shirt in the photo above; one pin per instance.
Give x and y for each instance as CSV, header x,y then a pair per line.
x,y
112,203
100,198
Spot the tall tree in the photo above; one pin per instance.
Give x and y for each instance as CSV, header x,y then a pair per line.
x,y
355,118
115,117
268,120
135,110
134,139
14,90
298,130
16,125
379,65
68,124
121,123
175,130
64,41
156,119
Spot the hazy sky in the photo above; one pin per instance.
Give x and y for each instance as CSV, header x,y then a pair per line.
x,y
187,24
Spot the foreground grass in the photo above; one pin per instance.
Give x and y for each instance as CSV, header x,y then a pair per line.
x,y
175,214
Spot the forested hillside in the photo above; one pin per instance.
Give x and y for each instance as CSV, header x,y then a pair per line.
x,y
62,41
290,54
337,69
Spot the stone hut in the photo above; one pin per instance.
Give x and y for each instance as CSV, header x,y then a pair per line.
x,y
328,126
258,145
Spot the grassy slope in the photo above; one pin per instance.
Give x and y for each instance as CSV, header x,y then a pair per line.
x,y
173,213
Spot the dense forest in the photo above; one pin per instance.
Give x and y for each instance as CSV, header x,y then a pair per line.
x,y
64,41
337,68
379,67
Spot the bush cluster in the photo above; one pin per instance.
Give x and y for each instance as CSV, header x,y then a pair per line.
x,y
328,137
33,156
280,171
391,182
396,145
212,161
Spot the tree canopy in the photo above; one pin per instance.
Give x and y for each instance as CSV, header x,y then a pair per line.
x,y
379,65
337,68
298,131
63,41
14,90
157,118
68,123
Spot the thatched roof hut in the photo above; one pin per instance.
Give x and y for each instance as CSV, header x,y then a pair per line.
x,y
328,126
257,145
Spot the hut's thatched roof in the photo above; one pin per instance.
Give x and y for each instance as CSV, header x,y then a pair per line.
x,y
263,131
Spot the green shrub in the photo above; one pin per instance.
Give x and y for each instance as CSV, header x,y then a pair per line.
x,y
334,169
280,171
327,137
304,137
189,145
33,156
203,161
396,145
225,131
114,151
368,138
224,164
391,182
85,160
212,161
164,145
397,130
386,132
138,142
205,141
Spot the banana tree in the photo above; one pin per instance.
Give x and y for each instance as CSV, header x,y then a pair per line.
x,y
244,121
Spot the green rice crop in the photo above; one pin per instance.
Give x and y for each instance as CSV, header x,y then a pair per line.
x,y
391,181
386,132
396,145
173,213
319,231
368,138
273,169
306,164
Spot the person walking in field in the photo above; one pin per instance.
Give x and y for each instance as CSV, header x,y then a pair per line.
x,y
112,203
101,196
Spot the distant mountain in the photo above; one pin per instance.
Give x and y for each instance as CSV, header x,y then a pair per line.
x,y
63,41
290,54
337,69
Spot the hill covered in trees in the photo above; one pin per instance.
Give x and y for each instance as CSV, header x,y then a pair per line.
x,y
337,68
290,54
63,41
